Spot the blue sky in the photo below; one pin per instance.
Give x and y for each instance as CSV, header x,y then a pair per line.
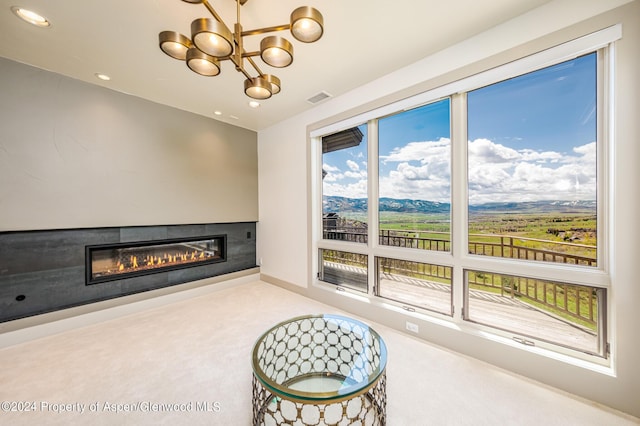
x,y
549,109
530,138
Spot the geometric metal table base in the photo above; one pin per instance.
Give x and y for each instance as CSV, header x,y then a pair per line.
x,y
367,409
319,370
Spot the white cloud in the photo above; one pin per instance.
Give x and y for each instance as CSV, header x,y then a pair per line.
x,y
588,150
422,171
497,173
333,177
529,175
352,183
328,168
332,173
541,157
352,190
353,166
356,175
421,151
485,151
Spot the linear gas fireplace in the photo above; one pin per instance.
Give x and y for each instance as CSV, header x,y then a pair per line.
x,y
110,262
48,270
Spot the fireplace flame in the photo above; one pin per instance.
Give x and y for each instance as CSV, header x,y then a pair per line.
x,y
146,262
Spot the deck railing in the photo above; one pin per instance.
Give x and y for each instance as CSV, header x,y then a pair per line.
x,y
496,246
406,239
521,248
574,301
353,235
408,268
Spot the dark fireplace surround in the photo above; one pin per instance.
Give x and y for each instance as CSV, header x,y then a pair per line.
x,y
47,270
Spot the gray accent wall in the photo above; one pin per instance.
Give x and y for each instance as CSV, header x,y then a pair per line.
x,y
44,271
76,155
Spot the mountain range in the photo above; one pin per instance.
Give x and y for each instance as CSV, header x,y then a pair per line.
x,y
332,204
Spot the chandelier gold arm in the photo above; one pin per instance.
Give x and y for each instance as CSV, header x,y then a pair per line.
x,y
266,30
212,42
212,11
240,52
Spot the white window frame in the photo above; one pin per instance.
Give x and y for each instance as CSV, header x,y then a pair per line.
x,y
459,258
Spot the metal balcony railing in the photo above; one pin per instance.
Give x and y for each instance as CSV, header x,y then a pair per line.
x,y
574,301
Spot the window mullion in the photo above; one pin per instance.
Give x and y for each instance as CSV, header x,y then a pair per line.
x,y
316,205
604,110
459,199
372,193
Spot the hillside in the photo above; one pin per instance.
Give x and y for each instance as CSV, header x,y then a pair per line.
x,y
342,204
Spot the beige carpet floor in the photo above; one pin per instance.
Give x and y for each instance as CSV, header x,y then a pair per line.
x,y
197,352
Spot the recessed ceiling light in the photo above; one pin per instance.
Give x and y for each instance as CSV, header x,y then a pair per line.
x,y
31,17
103,77
217,112
254,104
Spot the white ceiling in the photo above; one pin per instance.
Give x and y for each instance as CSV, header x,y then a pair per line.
x,y
363,40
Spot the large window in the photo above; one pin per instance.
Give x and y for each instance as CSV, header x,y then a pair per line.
x,y
414,175
344,185
482,202
532,165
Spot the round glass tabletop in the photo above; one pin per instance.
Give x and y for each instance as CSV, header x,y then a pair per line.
x,y
319,358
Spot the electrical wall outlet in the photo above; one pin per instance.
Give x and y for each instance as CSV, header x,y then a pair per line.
x,y
412,327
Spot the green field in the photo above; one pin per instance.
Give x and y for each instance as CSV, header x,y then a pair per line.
x,y
579,227
576,228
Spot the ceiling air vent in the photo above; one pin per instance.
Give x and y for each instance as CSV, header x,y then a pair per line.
x,y
319,97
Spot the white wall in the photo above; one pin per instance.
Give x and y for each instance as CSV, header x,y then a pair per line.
x,y
282,228
75,155
284,238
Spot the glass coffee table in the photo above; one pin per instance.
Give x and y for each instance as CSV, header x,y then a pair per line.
x,y
319,370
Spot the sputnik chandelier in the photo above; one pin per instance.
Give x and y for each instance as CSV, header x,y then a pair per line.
x,y
212,41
